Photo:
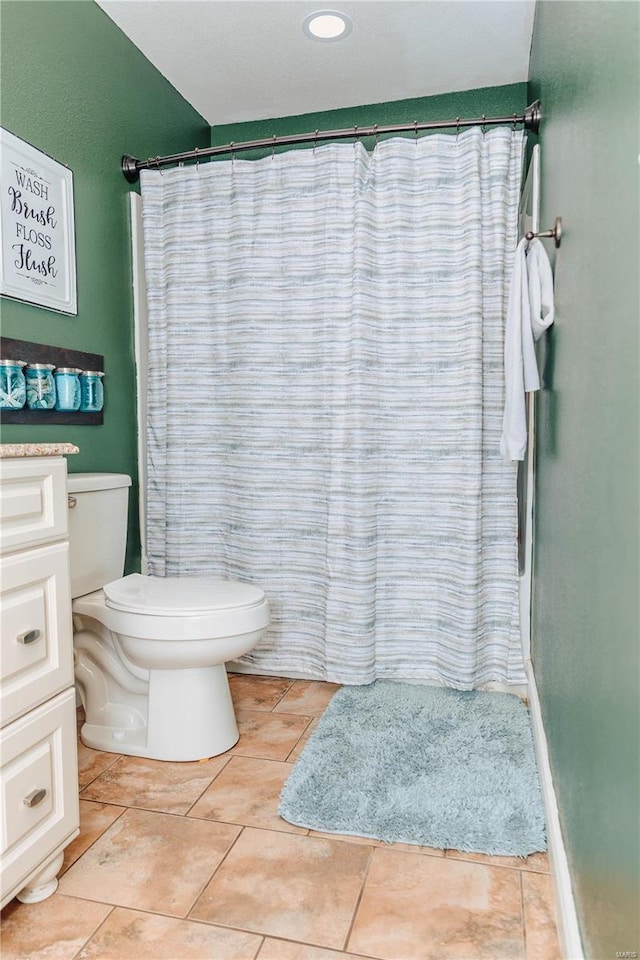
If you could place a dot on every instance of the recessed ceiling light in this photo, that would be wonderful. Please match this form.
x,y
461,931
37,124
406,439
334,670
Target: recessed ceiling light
x,y
327,25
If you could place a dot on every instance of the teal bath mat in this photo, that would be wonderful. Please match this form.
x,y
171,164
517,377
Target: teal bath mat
x,y
425,765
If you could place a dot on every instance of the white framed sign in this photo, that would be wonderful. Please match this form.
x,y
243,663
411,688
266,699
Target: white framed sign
x,y
37,235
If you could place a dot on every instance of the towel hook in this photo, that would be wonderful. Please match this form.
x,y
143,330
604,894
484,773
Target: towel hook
x,y
555,232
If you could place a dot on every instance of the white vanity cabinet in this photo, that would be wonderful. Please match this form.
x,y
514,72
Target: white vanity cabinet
x,y
38,746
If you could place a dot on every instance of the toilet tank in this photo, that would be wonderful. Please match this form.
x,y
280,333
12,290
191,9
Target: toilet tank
x,y
98,505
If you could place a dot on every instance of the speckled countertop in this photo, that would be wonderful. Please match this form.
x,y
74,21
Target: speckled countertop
x,y
36,449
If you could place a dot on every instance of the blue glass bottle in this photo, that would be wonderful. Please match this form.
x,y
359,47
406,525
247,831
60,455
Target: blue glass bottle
x,y
13,388
41,390
92,391
67,388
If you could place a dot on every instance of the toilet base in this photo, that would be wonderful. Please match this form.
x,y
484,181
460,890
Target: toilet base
x,y
190,717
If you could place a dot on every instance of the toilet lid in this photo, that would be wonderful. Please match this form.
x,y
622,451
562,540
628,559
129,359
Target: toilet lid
x,y
168,596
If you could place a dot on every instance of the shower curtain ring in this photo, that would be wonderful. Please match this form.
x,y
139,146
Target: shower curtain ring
x,y
273,147
355,133
195,150
375,133
515,120
484,125
457,128
315,142
158,165
231,146
415,130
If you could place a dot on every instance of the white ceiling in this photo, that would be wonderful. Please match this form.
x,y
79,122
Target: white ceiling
x,y
237,60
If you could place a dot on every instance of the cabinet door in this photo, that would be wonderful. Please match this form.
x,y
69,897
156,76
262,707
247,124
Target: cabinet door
x,y
38,788
33,502
35,628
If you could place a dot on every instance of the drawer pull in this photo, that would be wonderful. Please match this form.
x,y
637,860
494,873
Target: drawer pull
x,y
35,797
71,501
29,636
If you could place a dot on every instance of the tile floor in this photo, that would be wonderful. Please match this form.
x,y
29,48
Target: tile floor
x,y
190,861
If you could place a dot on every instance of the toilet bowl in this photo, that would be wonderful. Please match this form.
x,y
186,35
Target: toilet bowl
x,y
150,652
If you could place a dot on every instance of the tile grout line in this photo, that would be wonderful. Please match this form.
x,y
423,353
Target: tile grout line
x,y
372,850
500,866
283,694
207,882
134,806
253,826
83,786
523,916
167,916
213,779
280,937
256,933
99,927
294,747
237,756
159,813
100,835
290,687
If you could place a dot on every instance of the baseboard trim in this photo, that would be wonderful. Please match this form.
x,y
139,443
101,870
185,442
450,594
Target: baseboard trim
x,y
568,929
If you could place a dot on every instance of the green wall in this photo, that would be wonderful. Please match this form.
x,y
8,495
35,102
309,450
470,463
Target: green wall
x,y
491,101
584,68
75,87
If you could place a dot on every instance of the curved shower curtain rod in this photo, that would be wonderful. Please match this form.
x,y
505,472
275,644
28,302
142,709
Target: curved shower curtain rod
x,y
131,167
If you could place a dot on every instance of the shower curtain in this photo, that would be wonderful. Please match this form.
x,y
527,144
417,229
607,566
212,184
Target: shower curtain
x,y
325,400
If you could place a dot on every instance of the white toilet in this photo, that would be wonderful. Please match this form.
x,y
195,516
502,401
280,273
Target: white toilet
x,y
150,652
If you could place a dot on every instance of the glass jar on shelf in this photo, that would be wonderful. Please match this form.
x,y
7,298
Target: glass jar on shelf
x,y
67,388
13,387
92,391
41,390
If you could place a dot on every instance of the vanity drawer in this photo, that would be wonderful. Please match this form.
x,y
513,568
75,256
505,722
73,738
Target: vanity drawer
x,y
35,628
33,502
38,787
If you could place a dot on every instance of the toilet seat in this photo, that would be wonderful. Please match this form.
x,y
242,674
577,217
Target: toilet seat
x,y
139,606
180,596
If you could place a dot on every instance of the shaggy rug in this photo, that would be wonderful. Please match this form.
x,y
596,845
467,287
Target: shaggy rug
x,y
426,765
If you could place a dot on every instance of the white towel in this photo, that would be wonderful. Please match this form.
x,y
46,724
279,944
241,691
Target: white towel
x,y
529,313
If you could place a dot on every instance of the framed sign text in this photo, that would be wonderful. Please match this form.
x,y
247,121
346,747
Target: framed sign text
x,y
37,237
